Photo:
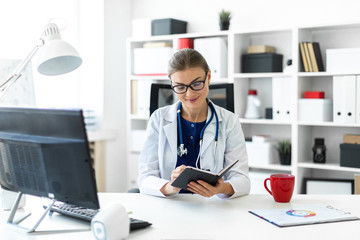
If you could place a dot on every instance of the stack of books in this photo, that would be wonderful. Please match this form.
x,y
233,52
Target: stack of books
x,y
311,57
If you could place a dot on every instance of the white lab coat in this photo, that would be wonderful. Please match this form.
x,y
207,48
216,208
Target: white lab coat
x,y
159,153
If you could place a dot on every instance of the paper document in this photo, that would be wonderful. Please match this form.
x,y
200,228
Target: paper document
x,y
303,214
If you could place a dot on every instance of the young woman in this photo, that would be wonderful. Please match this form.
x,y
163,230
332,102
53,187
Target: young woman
x,y
193,132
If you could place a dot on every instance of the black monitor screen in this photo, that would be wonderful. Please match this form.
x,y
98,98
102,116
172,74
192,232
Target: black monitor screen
x,y
45,153
221,94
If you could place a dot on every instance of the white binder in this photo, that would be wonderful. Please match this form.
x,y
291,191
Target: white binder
x,y
281,98
357,99
214,50
344,94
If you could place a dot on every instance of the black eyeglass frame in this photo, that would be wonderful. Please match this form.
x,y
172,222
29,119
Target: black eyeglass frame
x,y
187,86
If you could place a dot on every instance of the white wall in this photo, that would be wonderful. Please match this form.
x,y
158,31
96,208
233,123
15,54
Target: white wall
x,y
117,29
202,15
21,24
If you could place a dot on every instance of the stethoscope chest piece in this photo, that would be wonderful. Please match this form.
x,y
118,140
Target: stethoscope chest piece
x,y
181,150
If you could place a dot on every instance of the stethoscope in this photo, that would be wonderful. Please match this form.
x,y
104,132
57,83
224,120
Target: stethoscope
x,y
181,149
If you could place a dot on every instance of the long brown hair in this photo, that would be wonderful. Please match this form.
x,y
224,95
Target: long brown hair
x,y
186,58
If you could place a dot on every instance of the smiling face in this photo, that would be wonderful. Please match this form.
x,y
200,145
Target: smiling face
x,y
193,102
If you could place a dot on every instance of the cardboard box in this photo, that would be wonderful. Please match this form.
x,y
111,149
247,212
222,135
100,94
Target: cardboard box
x,y
352,139
315,110
167,26
343,60
260,49
261,62
350,155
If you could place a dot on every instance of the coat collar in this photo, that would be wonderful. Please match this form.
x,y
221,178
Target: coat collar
x,y
171,129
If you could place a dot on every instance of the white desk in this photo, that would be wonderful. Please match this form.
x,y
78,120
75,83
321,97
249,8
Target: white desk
x,y
194,217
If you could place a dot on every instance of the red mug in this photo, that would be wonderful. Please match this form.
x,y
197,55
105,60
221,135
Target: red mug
x,y
282,186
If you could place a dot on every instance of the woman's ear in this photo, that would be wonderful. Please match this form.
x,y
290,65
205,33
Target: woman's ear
x,y
209,77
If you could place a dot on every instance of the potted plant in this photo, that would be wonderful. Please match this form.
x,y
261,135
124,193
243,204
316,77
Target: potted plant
x,y
284,149
224,19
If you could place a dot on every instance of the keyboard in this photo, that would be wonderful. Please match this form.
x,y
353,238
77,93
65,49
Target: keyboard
x,y
87,214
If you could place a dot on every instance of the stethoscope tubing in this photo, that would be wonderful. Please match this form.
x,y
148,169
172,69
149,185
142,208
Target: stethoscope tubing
x,y
183,151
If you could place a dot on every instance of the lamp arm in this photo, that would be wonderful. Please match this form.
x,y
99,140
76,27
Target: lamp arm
x,y
17,72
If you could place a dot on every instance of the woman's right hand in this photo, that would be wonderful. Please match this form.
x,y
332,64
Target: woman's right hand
x,y
167,189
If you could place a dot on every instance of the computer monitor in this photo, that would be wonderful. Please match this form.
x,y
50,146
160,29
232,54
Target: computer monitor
x,y
45,153
221,94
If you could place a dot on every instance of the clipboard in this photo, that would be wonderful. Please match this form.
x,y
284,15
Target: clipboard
x,y
303,215
193,174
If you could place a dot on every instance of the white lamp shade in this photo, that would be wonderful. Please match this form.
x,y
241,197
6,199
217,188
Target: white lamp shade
x,y
58,57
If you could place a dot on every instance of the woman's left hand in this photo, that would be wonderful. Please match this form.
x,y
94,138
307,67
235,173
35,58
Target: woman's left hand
x,y
207,190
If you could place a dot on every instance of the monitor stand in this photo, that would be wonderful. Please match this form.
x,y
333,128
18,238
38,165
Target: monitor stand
x,y
14,209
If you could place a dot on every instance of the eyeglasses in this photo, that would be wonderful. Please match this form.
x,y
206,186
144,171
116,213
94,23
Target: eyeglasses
x,y
195,86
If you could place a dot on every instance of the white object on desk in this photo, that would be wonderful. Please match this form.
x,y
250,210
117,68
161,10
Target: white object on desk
x,y
303,214
111,223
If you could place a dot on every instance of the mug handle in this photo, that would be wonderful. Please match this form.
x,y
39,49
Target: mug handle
x,y
266,186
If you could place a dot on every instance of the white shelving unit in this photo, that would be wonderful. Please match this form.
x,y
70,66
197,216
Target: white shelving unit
x,y
302,134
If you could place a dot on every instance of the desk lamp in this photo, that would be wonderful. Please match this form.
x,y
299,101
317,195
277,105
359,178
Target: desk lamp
x,y
56,57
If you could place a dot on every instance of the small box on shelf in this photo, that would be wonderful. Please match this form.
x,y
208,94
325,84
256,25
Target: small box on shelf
x,y
185,43
343,60
167,26
262,152
261,62
350,155
314,108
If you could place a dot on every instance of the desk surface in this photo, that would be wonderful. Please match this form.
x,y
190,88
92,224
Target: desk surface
x,y
194,217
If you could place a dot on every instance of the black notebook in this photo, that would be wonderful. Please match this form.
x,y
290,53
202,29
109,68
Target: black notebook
x,y
193,174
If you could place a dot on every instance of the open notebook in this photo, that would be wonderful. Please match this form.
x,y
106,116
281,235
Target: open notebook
x,y
193,174
303,214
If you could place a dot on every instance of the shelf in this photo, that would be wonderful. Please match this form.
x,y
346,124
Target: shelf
x,y
325,74
261,75
263,121
177,36
276,167
329,124
150,78
328,166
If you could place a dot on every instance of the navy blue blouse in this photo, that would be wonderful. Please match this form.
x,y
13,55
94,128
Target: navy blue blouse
x,y
191,137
